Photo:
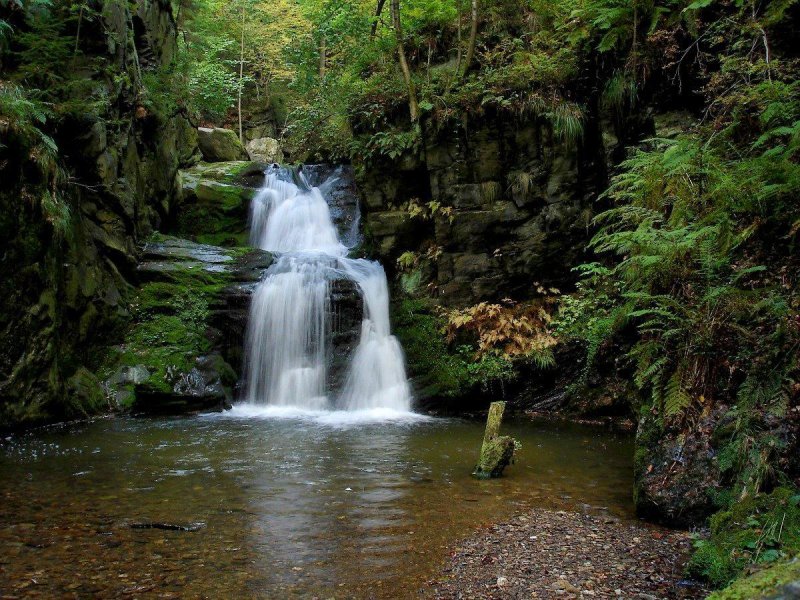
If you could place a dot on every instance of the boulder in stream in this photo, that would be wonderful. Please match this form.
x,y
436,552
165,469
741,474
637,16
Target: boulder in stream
x,y
265,150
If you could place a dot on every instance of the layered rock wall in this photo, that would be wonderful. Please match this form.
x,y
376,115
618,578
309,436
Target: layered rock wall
x,y
65,295
513,205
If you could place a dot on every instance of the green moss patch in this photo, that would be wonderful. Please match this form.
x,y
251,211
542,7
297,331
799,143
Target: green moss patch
x,y
763,583
215,204
761,530
166,335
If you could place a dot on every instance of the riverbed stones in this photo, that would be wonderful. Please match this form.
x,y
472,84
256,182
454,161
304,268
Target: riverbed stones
x,y
220,145
564,554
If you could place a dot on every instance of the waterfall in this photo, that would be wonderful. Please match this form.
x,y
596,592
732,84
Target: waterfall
x,y
288,340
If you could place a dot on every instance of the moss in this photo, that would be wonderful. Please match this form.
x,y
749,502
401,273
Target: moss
x,y
757,530
84,394
215,207
765,582
168,331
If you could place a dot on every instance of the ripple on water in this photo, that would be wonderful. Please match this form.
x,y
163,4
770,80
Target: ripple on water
x,y
349,499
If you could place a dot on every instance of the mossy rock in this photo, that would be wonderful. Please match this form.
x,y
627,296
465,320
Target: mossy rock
x,y
84,394
215,201
778,582
753,531
169,361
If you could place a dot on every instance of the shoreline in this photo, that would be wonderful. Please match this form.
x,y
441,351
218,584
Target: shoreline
x,y
542,553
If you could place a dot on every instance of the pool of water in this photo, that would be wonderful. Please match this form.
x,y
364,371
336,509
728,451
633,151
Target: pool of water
x,y
282,505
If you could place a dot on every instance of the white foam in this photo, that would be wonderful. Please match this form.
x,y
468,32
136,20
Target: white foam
x,y
328,418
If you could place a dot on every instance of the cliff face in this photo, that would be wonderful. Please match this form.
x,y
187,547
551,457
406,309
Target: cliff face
x,y
517,204
65,294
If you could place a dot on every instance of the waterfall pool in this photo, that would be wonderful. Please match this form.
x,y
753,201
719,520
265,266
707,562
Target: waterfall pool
x,y
279,503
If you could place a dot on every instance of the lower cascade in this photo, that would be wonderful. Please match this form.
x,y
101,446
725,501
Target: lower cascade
x,y
288,347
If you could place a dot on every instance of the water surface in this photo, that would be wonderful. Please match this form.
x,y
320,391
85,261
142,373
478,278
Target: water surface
x,y
328,504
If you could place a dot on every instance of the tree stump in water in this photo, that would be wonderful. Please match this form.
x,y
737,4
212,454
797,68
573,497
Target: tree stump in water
x,y
496,450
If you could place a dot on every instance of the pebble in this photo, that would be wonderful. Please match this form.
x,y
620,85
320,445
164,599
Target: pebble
x,y
576,556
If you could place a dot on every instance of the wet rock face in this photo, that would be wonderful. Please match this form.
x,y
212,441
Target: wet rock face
x,y
182,351
65,296
342,195
347,311
521,205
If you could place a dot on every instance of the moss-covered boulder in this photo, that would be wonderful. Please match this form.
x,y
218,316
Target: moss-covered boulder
x,y
174,356
215,201
778,582
220,145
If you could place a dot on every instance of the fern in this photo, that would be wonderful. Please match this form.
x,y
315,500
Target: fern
x,y
675,398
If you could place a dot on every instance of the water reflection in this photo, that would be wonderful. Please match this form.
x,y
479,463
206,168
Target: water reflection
x,y
291,507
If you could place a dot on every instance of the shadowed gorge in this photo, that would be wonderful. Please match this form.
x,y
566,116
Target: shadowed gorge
x,y
267,265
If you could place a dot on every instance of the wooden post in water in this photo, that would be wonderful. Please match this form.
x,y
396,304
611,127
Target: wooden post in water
x,y
496,450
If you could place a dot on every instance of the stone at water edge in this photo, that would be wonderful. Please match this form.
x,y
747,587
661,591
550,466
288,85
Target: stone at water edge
x,y
265,150
220,145
497,451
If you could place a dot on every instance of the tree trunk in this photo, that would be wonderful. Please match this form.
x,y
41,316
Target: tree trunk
x,y
378,11
241,80
413,106
473,36
497,451
323,56
78,33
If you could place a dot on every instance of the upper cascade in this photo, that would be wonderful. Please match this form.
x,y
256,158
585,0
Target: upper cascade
x,y
288,345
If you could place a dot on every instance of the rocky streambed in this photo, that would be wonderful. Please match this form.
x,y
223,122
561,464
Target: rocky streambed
x,y
560,554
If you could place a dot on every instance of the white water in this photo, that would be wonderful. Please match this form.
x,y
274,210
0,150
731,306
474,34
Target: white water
x,y
288,334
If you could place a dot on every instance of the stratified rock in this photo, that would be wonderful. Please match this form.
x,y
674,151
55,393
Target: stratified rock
x,y
519,202
497,450
181,352
220,145
65,294
265,150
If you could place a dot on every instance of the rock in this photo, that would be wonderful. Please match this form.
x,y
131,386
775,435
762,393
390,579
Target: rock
x,y
220,145
65,300
502,582
215,201
517,195
265,149
85,393
496,450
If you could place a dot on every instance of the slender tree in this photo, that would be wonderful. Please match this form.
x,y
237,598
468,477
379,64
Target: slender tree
x,y
473,36
413,105
378,11
241,78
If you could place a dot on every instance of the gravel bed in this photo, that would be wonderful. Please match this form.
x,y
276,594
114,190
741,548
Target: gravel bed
x,y
547,554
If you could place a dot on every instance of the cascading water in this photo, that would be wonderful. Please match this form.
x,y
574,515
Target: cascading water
x,y
289,329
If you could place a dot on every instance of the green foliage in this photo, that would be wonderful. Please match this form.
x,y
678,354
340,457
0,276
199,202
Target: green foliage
x,y
761,530
439,368
765,582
